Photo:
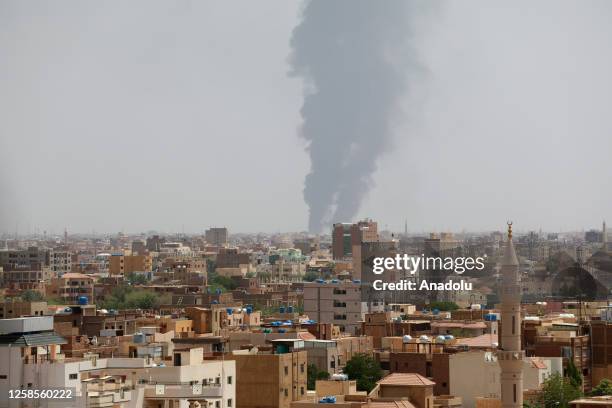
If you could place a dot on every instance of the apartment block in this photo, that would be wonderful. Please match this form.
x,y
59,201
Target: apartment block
x,y
335,302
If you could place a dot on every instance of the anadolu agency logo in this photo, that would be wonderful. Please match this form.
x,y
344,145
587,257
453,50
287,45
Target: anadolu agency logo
x,y
410,272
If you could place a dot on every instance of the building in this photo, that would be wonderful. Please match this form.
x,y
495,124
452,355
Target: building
x,y
32,258
511,355
346,236
60,261
217,236
335,302
71,287
125,264
271,380
10,309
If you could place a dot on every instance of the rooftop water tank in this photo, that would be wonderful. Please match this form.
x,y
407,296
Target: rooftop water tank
x,y
139,338
440,339
83,300
281,309
424,339
406,338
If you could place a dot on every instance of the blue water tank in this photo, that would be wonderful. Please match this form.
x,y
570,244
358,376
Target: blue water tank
x,y
289,309
281,309
83,300
249,310
229,311
218,291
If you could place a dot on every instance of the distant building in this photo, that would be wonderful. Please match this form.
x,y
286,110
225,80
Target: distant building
x,y
346,236
126,264
338,303
217,236
60,261
10,309
70,287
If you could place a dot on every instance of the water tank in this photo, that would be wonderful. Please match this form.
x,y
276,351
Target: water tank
x,y
249,310
289,309
218,291
229,311
331,399
339,377
83,300
449,337
436,311
424,339
475,306
282,330
281,309
406,339
139,338
490,317
440,339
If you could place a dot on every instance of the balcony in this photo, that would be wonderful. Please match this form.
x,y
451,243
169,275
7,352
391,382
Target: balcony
x,y
182,390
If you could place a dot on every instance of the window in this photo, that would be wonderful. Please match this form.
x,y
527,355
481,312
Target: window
x,y
73,376
286,370
302,390
514,392
513,326
229,381
229,402
301,368
217,404
286,392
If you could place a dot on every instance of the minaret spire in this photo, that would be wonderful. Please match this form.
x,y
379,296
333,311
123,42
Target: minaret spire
x,y
510,356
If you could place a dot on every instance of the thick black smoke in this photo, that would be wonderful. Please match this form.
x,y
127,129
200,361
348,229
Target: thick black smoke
x,y
349,53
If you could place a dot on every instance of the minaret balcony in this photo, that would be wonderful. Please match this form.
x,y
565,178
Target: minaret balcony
x,y
510,355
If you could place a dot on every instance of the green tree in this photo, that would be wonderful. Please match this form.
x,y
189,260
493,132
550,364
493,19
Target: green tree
x,y
603,388
137,279
31,296
310,276
573,374
365,370
443,306
557,392
313,374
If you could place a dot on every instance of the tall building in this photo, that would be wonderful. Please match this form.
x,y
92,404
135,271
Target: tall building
x,y
510,355
346,236
217,236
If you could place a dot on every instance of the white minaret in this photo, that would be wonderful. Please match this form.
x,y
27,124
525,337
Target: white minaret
x,y
604,238
510,356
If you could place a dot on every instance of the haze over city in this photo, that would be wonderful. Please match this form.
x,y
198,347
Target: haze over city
x,y
182,115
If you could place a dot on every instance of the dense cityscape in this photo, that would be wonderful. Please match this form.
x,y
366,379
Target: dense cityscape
x,y
226,320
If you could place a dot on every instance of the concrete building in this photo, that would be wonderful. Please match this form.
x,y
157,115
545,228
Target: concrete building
x,y
346,236
10,309
217,236
511,355
124,264
60,261
335,302
70,287
271,380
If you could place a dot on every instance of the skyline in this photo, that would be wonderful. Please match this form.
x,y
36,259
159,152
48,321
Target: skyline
x,y
182,120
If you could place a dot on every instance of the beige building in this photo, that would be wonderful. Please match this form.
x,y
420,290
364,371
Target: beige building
x,y
338,303
125,264
270,380
71,286
10,309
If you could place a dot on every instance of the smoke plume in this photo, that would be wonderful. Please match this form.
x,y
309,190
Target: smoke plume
x,y
348,53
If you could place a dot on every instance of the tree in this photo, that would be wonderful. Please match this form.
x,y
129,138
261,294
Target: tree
x,y
137,278
603,388
365,370
313,374
30,295
310,276
443,306
573,374
557,392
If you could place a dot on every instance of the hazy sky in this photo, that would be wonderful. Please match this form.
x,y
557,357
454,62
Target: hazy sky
x,y
140,115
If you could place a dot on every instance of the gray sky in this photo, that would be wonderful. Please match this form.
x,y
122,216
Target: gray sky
x,y
157,115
